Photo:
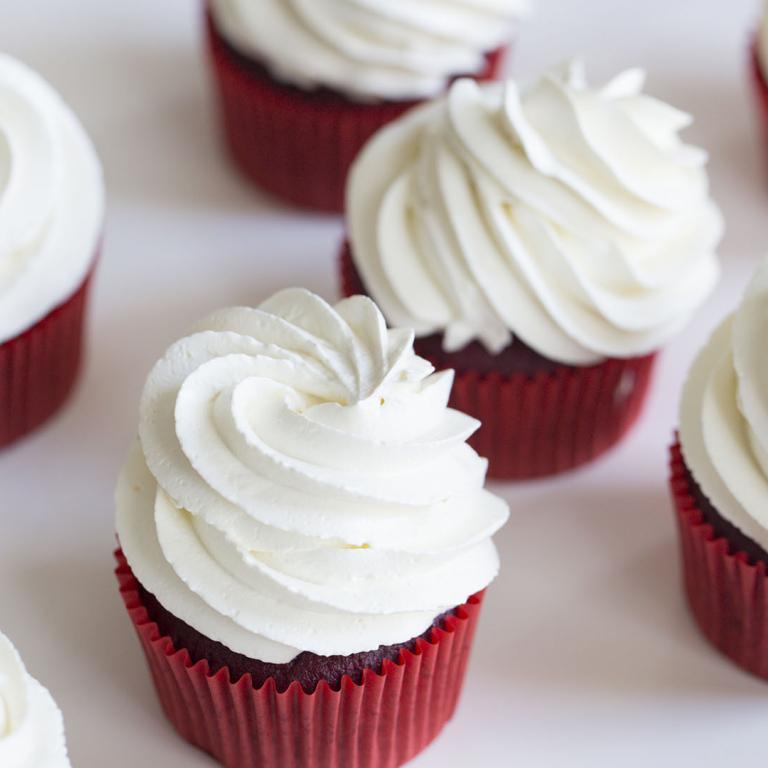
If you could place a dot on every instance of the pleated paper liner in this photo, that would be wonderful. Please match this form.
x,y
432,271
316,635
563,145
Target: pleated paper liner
x,y
38,368
726,592
382,722
551,423
547,423
298,145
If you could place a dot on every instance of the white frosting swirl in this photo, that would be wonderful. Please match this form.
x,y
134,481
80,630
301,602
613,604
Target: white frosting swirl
x,y
369,49
31,725
570,217
301,484
724,415
51,199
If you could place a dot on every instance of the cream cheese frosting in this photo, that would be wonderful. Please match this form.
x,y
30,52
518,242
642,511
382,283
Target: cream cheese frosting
x,y
300,484
31,725
51,199
724,415
369,49
573,218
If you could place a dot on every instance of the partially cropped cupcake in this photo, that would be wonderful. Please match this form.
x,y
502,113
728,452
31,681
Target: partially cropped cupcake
x,y
544,244
720,483
51,210
302,85
305,537
31,725
759,70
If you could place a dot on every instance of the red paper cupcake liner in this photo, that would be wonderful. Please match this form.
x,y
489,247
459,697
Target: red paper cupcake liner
x,y
381,722
541,425
760,89
551,422
727,594
38,368
297,145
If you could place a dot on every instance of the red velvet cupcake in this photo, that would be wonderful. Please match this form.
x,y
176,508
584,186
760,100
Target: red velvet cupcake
x,y
545,266
300,92
305,537
719,482
51,211
757,71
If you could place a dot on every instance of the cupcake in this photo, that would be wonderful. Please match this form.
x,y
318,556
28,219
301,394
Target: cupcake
x,y
719,479
305,537
759,67
544,244
301,86
31,725
51,210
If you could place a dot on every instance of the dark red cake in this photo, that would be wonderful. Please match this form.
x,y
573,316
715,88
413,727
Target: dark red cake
x,y
738,542
307,669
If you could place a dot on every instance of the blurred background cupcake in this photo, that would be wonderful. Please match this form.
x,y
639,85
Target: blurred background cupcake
x,y
305,537
31,725
720,483
544,244
759,67
51,213
302,85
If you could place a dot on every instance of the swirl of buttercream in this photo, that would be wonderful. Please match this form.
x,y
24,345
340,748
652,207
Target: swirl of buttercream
x,y
51,199
31,725
724,415
301,485
572,218
369,49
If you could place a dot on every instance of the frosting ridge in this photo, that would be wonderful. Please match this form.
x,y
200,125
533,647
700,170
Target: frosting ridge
x,y
31,725
572,217
369,49
724,415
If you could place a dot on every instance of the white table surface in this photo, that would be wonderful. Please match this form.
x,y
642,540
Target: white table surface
x,y
586,655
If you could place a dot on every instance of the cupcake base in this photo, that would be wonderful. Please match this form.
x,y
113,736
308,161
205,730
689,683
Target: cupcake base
x,y
297,145
724,574
39,367
382,721
539,417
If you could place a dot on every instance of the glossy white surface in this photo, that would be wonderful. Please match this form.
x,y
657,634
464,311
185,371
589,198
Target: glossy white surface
x,y
586,655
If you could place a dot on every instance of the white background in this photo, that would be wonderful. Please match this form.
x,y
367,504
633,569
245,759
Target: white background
x,y
586,655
